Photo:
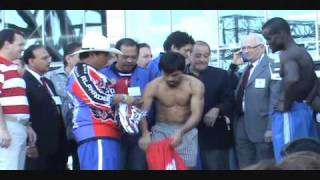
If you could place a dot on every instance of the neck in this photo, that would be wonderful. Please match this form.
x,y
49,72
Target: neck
x,y
90,62
256,59
68,69
289,42
195,72
34,70
5,55
117,66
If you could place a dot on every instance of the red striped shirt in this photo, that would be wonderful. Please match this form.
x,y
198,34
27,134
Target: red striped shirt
x,y
13,98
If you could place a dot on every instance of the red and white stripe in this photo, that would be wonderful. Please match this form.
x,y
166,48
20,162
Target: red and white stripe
x,y
12,91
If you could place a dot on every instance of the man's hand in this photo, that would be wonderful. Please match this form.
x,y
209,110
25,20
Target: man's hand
x,y
144,141
281,106
268,136
5,138
32,136
177,138
32,152
211,117
237,60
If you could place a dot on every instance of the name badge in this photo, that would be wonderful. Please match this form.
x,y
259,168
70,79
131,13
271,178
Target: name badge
x,y
134,91
260,83
57,100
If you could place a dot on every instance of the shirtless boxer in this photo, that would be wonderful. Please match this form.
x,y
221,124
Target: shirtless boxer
x,y
293,117
179,102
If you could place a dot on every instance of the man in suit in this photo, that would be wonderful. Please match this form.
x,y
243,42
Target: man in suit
x,y
255,97
45,113
215,135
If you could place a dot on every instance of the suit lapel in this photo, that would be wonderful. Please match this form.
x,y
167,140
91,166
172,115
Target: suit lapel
x,y
241,78
32,79
258,70
35,83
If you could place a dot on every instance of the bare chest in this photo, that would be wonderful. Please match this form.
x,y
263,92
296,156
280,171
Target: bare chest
x,y
174,96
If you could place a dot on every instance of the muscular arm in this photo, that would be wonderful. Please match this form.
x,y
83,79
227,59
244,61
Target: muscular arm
x,y
148,96
290,77
197,103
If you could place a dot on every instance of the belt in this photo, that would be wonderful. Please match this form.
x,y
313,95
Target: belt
x,y
23,122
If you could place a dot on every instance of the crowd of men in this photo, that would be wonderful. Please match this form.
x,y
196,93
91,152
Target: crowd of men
x,y
114,108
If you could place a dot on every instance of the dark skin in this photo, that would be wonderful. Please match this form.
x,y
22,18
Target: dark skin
x,y
296,68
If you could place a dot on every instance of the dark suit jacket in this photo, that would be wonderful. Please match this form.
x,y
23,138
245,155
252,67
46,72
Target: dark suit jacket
x,y
218,93
45,118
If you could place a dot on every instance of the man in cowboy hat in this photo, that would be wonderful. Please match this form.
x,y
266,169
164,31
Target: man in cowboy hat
x,y
95,128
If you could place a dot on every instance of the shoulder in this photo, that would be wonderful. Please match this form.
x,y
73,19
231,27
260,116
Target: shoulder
x,y
193,82
216,72
154,83
141,70
106,70
155,61
53,73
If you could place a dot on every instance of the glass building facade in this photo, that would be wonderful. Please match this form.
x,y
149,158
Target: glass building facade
x,y
222,29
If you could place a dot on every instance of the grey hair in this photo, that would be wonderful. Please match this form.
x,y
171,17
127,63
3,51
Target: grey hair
x,y
202,43
258,37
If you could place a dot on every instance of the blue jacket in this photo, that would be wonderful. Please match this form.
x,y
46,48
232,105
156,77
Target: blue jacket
x,y
139,76
153,68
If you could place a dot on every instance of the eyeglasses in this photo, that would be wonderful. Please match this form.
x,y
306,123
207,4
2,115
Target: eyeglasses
x,y
250,47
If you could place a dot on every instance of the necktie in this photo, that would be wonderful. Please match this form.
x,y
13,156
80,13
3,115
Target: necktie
x,y
49,91
242,87
45,85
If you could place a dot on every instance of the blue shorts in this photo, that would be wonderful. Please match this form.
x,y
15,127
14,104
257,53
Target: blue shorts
x,y
289,126
100,154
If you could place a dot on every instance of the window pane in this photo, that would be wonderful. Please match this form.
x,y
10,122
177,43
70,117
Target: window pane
x,y
1,21
149,26
96,21
28,21
214,58
302,24
61,28
233,26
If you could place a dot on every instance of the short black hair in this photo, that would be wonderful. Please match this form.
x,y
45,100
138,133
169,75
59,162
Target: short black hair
x,y
69,49
202,43
28,53
178,39
8,35
171,62
127,42
303,144
276,25
142,45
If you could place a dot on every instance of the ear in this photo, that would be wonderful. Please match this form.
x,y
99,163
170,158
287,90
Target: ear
x,y
173,48
31,61
6,44
68,58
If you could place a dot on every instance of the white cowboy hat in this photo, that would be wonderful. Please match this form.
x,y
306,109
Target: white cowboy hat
x,y
92,42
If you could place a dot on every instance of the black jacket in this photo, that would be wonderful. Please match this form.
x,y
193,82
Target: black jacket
x,y
46,120
218,93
